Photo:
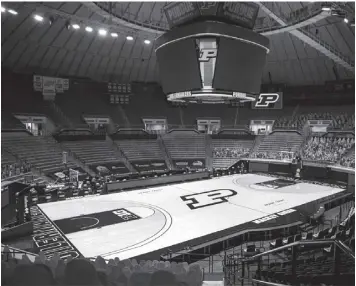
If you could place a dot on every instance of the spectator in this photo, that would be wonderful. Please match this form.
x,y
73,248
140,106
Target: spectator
x,y
224,152
35,274
338,121
327,149
163,278
15,169
273,155
81,272
55,271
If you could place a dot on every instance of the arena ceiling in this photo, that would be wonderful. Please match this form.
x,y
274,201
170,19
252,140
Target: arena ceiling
x,y
321,48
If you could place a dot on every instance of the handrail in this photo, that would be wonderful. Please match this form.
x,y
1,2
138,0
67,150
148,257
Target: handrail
x,y
345,248
305,242
267,283
328,47
14,251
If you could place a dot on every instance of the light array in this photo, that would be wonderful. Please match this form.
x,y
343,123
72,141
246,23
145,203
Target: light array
x,y
75,26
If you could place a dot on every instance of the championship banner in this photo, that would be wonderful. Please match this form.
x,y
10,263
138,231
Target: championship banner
x,y
110,168
59,85
37,83
49,88
240,13
65,83
178,13
189,164
50,85
119,88
149,165
273,100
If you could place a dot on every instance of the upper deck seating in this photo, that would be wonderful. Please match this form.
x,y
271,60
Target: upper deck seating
x,y
340,117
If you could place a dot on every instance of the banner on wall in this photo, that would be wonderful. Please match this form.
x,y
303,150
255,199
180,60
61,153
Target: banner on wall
x,y
65,83
50,86
268,101
149,165
37,83
189,163
110,168
59,85
119,88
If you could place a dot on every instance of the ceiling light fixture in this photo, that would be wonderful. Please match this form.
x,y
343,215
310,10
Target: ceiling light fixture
x,y
76,26
89,29
102,32
325,8
38,18
129,38
147,42
114,35
13,12
3,9
346,20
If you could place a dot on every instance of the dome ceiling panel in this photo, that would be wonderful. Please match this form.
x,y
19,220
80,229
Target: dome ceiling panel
x,y
336,33
54,5
70,7
30,46
289,47
298,47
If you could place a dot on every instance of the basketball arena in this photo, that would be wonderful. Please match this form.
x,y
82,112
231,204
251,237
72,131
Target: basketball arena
x,y
178,143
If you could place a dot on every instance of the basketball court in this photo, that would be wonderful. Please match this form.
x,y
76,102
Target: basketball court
x,y
133,223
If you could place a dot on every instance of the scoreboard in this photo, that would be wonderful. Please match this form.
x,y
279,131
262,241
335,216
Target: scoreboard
x,y
211,62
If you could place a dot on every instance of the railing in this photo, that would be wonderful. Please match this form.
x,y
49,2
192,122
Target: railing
x,y
345,248
338,247
297,243
8,252
260,282
328,47
290,19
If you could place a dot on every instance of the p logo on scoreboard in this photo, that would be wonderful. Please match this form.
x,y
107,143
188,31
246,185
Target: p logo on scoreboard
x,y
209,198
206,54
266,99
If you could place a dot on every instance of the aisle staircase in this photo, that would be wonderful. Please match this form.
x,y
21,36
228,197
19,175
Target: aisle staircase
x,y
59,117
71,156
123,115
164,150
120,154
209,152
256,144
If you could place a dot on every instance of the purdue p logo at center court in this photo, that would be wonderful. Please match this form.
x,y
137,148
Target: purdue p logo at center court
x,y
209,198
